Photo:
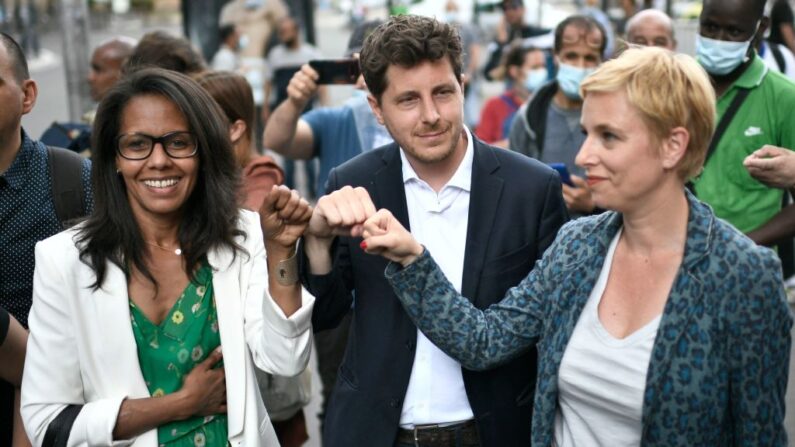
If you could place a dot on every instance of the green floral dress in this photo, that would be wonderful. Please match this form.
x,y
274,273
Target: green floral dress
x,y
169,351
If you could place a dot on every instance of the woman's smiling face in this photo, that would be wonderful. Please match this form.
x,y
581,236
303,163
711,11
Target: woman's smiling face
x,y
157,186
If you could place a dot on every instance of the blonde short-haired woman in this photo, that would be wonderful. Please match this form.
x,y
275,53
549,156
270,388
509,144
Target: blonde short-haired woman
x,y
656,323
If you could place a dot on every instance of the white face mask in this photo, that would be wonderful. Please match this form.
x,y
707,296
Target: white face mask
x,y
721,57
535,78
569,79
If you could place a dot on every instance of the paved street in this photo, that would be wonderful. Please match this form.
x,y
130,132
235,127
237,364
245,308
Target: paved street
x,y
332,35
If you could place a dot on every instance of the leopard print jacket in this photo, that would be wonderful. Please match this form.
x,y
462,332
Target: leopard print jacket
x,y
719,365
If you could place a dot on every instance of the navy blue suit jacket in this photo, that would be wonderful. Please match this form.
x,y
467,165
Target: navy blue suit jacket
x,y
515,211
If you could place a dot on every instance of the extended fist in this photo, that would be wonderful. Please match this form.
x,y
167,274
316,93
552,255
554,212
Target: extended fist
x,y
384,235
284,216
341,213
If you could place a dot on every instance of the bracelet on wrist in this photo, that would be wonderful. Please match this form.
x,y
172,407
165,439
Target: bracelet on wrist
x,y
286,271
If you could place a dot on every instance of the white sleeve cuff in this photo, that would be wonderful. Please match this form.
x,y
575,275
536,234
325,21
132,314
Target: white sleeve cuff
x,y
95,423
294,325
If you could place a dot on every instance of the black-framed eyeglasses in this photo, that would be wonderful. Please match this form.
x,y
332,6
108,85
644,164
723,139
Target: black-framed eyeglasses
x,y
138,146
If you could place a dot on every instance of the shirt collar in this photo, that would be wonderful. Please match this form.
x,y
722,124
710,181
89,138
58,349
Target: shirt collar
x,y
753,75
462,178
17,174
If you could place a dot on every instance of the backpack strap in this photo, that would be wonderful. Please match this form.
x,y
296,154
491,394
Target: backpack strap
x,y
66,168
778,56
508,100
725,120
536,112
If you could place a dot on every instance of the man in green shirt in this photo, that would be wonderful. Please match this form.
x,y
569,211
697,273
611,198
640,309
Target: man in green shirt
x,y
727,31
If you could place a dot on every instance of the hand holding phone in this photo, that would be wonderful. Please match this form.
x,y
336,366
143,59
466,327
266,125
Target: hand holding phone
x,y
563,172
336,71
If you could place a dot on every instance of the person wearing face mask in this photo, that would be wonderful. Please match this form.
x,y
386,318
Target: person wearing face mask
x,y
547,128
754,109
524,71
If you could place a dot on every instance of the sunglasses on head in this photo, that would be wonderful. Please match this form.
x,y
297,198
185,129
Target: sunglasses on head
x,y
592,40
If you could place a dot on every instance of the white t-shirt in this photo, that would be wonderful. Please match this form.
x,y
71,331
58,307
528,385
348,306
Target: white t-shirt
x,y
225,59
602,379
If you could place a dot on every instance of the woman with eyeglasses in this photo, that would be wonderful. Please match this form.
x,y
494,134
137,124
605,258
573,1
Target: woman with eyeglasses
x,y
148,318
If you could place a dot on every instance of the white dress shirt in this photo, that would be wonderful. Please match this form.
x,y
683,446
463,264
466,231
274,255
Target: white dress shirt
x,y
436,391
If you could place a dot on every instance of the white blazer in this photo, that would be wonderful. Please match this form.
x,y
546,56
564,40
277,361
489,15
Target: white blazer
x,y
82,350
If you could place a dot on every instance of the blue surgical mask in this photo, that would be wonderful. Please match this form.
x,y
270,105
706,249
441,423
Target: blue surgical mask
x,y
534,79
569,79
720,57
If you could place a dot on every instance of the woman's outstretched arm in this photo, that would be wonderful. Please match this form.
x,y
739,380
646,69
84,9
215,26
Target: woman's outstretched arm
x,y
479,339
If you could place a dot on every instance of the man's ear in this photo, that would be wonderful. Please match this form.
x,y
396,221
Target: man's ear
x,y
376,107
237,130
674,147
31,91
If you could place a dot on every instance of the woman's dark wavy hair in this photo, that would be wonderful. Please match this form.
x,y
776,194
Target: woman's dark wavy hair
x,y
407,41
210,214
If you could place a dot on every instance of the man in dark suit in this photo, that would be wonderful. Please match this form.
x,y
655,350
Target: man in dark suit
x,y
486,213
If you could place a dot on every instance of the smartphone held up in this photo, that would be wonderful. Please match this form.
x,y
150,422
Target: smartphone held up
x,y
336,71
563,172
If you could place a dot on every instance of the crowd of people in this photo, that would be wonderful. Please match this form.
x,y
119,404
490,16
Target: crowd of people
x,y
596,257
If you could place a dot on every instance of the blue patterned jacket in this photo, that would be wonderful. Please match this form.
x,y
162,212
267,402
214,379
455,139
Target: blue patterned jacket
x,y
719,366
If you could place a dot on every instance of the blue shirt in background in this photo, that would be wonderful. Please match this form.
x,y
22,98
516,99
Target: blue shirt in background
x,y
341,133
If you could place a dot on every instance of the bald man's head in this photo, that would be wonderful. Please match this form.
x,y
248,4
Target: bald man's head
x,y
651,27
106,63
